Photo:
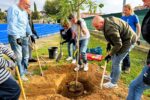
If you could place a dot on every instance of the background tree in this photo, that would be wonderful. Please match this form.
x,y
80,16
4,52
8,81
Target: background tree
x,y
35,13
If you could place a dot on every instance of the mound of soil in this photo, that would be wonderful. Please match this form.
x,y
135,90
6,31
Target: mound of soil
x,y
54,85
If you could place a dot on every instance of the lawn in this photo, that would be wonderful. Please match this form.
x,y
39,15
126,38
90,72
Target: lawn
x,y
137,57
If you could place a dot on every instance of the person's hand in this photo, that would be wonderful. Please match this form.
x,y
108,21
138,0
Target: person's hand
x,y
138,42
108,58
19,41
32,39
13,59
11,64
79,22
108,48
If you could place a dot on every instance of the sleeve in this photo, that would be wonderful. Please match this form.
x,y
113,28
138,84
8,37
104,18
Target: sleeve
x,y
136,19
28,29
12,20
115,38
3,62
5,50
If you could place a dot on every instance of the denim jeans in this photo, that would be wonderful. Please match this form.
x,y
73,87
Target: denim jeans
x,y
30,49
71,48
116,65
137,87
126,62
82,49
21,52
9,90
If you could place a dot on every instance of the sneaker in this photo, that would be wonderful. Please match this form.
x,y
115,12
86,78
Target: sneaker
x,y
78,67
24,78
86,67
107,77
69,58
110,85
73,61
127,71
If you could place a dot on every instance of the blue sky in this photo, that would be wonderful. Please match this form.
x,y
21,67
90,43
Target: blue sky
x,y
110,6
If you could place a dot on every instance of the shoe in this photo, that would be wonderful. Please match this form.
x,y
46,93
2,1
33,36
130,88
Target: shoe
x,y
127,71
32,60
78,67
73,61
110,85
24,78
86,67
107,77
69,58
29,73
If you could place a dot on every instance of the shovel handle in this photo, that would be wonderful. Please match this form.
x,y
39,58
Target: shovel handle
x,y
38,60
104,70
21,84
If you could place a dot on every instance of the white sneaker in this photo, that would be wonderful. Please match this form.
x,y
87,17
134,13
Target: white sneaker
x,y
69,58
86,67
107,77
24,78
78,67
110,85
73,61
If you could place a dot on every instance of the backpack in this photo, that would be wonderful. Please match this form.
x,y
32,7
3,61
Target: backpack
x,y
146,27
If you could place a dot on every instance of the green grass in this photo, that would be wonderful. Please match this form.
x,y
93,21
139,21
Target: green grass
x,y
137,58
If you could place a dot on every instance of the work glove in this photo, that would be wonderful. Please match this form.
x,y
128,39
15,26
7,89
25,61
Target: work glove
x,y
19,41
146,77
108,58
79,22
11,64
108,48
32,39
138,42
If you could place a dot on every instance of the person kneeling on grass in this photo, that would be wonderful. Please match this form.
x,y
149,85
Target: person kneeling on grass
x,y
70,38
9,89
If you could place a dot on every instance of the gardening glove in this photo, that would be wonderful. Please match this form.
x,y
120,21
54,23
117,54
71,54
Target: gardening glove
x,y
32,39
138,42
19,41
108,58
79,22
108,48
146,77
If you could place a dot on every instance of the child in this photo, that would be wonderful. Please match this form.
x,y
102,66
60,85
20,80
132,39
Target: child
x,y
70,38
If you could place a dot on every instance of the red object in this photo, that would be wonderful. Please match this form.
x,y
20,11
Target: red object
x,y
94,57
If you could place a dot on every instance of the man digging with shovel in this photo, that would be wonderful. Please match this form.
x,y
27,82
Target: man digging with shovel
x,y
120,35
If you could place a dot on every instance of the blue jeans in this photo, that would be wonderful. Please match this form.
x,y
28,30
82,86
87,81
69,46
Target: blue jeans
x,y
21,52
9,90
71,48
137,87
82,49
116,65
126,62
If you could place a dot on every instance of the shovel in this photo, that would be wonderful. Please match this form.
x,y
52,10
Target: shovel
x,y
21,83
104,70
60,54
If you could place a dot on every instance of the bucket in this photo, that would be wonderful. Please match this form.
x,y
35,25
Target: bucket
x,y
52,52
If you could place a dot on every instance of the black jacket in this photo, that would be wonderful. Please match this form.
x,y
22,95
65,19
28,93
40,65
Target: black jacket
x,y
145,29
69,36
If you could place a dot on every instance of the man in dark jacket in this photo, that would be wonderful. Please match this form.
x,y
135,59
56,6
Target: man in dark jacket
x,y
142,82
120,35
